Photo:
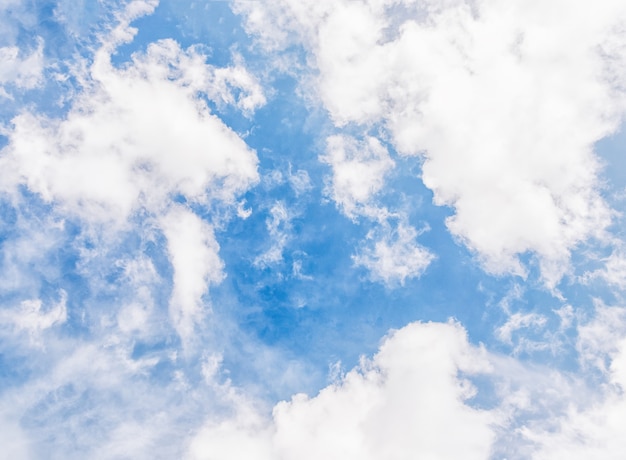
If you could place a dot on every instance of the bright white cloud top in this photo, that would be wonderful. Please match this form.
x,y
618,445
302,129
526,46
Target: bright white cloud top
x,y
365,229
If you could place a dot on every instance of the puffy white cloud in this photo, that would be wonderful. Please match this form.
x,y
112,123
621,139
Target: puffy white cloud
x,y
30,317
136,140
393,255
600,338
248,94
21,71
358,173
503,102
591,426
596,432
418,397
407,401
194,255
613,271
245,434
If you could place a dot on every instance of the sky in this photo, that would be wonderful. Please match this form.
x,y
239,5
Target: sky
x,y
297,229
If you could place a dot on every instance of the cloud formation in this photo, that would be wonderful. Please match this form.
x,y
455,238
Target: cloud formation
x,y
503,103
122,212
136,140
408,398
418,396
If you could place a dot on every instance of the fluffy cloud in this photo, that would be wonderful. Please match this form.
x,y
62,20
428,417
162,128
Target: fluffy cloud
x,y
30,317
137,140
591,425
390,253
393,255
519,321
613,271
21,71
194,255
407,401
358,173
134,140
417,397
503,102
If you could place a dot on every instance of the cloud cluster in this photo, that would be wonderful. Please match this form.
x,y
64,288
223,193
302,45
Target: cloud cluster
x,y
137,141
138,137
358,173
358,169
592,426
392,254
419,396
408,400
21,71
503,102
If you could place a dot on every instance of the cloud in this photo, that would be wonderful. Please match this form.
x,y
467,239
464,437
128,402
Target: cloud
x,y
279,227
94,400
600,337
591,425
22,71
358,173
393,256
194,255
236,86
118,203
518,321
613,271
429,393
14,440
359,167
137,140
504,105
408,398
32,318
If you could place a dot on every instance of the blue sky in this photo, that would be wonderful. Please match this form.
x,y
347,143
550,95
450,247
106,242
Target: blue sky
x,y
293,229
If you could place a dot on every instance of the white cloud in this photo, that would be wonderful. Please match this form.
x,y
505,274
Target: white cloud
x,y
601,336
22,71
279,227
613,271
15,443
409,400
418,397
592,424
93,400
358,176
229,80
358,173
194,254
30,317
503,102
135,316
300,181
136,139
392,256
519,321
243,435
